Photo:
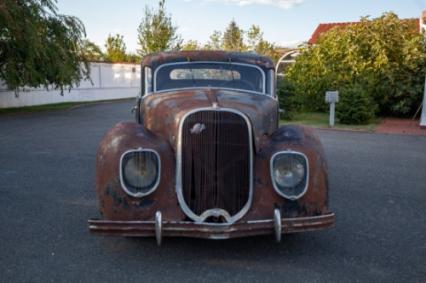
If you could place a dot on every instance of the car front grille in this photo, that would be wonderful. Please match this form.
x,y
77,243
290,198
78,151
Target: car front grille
x,y
216,161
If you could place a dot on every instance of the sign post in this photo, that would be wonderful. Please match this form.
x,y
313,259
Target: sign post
x,y
332,97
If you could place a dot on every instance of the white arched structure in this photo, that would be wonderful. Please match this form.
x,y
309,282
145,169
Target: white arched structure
x,y
287,58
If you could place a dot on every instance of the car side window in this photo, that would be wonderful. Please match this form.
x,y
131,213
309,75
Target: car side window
x,y
147,80
271,86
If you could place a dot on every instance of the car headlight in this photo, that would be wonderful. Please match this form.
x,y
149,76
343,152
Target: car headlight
x,y
289,173
140,171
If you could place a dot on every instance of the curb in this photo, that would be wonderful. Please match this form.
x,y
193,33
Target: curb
x,y
89,103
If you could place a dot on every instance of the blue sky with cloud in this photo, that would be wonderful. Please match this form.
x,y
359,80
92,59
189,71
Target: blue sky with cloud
x,y
285,22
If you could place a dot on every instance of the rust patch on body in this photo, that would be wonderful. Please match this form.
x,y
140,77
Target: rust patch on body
x,y
162,114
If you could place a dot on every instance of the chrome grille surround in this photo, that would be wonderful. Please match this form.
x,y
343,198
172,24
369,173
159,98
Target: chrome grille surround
x,y
215,212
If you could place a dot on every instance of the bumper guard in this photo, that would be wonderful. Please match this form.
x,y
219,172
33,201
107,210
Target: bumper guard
x,y
159,228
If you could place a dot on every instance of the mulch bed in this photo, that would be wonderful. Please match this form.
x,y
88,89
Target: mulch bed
x,y
400,126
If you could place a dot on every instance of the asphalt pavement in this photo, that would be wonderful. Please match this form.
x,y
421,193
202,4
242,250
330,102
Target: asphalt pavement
x,y
47,169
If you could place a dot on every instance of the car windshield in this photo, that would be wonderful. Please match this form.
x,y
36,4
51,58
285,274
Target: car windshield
x,y
213,75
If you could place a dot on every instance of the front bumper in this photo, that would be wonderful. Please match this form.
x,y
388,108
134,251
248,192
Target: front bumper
x,y
208,230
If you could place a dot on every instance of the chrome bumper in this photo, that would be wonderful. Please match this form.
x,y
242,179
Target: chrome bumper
x,y
161,228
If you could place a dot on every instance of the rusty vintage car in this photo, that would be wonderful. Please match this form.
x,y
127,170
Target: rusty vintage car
x,y
206,156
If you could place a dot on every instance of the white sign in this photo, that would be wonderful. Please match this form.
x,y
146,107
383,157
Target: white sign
x,y
332,96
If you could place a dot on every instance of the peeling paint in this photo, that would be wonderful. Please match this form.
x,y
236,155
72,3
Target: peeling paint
x,y
162,115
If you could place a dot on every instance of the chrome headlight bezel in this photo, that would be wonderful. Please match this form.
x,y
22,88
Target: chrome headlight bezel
x,y
279,189
122,177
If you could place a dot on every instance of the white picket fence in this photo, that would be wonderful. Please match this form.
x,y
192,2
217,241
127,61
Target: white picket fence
x,y
109,81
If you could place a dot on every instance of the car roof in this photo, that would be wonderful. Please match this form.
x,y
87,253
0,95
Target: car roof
x,y
157,59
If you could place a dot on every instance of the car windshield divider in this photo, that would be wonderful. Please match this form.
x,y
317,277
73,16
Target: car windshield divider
x,y
192,73
232,72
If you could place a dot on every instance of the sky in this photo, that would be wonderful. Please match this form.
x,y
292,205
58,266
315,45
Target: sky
x,y
284,22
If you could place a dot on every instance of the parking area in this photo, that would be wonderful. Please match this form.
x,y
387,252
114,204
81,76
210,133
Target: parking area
x,y
47,170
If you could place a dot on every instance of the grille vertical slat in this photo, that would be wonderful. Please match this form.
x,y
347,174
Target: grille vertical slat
x,y
215,162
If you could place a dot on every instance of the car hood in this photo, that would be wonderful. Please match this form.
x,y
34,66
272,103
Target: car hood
x,y
163,112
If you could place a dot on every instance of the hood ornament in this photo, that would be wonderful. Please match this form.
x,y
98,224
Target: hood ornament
x,y
198,128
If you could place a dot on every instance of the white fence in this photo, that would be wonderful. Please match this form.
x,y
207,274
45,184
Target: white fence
x,y
109,81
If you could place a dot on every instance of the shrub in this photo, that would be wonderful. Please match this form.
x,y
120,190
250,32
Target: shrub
x,y
386,54
287,99
355,106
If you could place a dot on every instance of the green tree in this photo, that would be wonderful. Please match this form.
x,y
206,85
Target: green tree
x,y
254,37
215,42
156,31
384,58
92,52
39,46
258,44
191,45
133,58
115,49
233,38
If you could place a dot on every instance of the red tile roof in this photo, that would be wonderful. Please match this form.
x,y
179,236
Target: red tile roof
x,y
322,28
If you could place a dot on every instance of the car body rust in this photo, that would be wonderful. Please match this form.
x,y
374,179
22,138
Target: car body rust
x,y
157,127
